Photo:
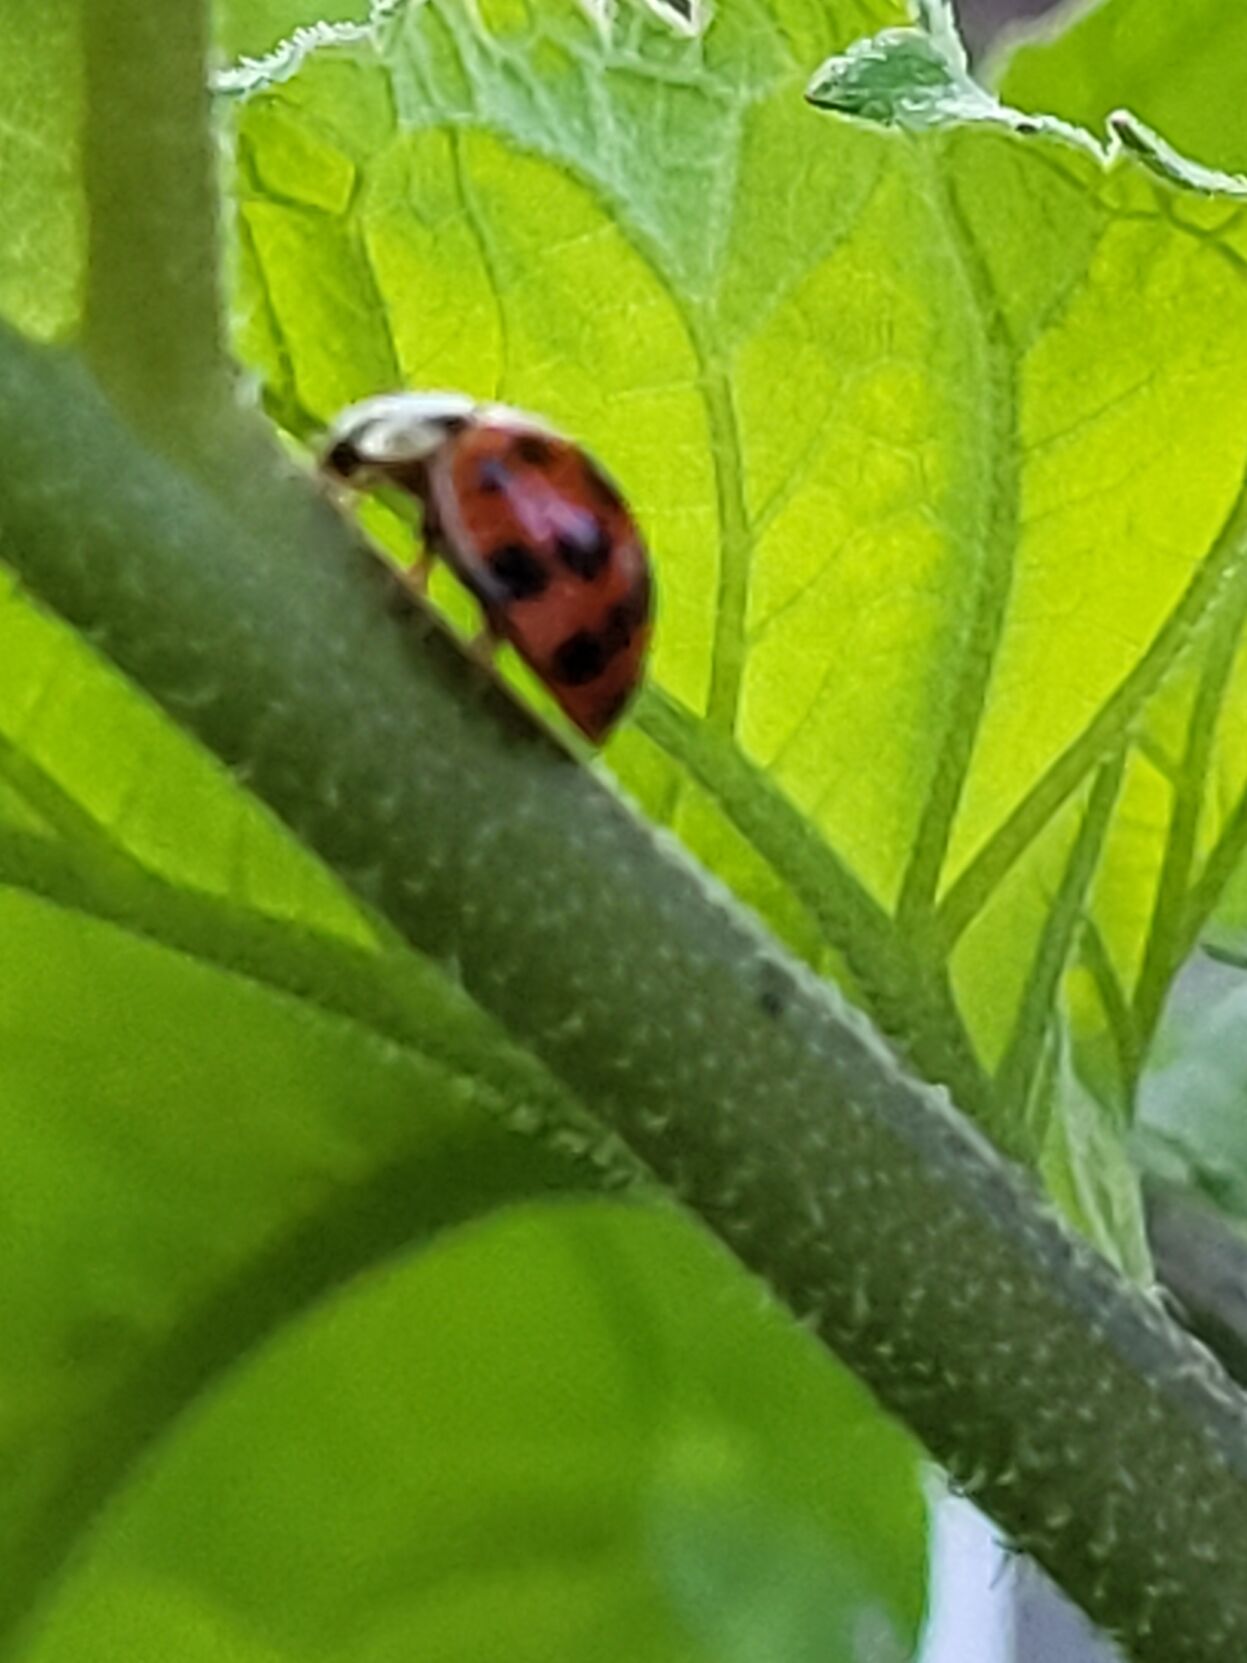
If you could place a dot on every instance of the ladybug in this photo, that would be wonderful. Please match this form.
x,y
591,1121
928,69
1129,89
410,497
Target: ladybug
x,y
529,523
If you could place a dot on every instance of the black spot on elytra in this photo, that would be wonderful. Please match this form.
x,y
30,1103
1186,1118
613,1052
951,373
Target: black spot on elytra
x,y
522,573
585,556
533,449
580,659
492,475
626,617
617,630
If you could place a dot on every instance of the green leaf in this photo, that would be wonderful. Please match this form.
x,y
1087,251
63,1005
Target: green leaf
x,y
942,484
1178,67
358,1105
1194,1102
1089,1173
126,798
914,79
751,1585
250,28
170,1200
504,1438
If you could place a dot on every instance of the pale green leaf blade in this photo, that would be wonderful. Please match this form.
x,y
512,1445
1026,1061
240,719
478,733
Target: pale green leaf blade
x,y
134,799
1177,67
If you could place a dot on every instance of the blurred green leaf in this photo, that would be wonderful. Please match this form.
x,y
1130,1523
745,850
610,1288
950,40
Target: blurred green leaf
x,y
167,1200
1191,1144
493,1440
1193,1107
750,1584
1178,67
1088,1172
125,793
1225,933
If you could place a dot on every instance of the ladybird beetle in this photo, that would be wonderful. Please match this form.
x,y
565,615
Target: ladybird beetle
x,y
529,523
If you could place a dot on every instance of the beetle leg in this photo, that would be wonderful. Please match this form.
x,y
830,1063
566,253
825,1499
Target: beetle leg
x,y
483,646
416,578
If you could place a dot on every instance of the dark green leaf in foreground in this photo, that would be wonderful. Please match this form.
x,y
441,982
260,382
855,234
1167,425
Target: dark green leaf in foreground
x,y
539,1432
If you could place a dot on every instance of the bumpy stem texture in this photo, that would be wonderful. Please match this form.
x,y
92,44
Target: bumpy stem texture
x,y
1094,1431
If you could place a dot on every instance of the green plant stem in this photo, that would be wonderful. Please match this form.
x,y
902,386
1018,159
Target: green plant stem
x,y
1087,1423
152,313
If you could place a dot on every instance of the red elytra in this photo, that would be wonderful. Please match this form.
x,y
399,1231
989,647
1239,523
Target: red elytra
x,y
530,524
